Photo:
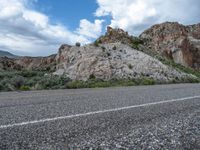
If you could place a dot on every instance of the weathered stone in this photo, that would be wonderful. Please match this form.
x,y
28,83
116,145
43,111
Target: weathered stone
x,y
28,63
79,63
178,42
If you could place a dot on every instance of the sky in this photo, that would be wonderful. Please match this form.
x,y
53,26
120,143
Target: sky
x,y
39,27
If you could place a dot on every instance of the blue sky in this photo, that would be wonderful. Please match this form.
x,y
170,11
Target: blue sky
x,y
68,12
39,27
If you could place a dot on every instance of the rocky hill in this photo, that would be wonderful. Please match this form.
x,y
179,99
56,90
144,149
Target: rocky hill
x,y
117,55
111,61
175,41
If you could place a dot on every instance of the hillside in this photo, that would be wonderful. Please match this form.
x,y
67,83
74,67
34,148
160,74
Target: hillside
x,y
175,41
7,54
111,61
114,59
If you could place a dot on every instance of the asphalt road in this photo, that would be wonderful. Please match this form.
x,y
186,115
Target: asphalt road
x,y
144,117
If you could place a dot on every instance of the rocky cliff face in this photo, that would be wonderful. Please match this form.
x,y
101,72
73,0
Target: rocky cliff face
x,y
28,63
178,42
115,35
108,61
37,63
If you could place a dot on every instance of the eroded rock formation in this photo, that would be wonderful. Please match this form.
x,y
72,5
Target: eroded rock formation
x,y
178,42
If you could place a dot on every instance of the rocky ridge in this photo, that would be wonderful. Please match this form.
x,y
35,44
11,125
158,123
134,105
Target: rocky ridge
x,y
117,55
28,63
175,41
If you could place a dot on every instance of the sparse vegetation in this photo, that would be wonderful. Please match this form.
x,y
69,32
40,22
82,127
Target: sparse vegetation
x,y
30,80
35,80
97,83
97,42
136,42
171,63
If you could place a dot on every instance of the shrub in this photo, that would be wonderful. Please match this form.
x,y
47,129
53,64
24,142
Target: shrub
x,y
78,44
108,54
24,88
96,43
147,81
18,81
130,66
76,84
92,76
136,42
114,48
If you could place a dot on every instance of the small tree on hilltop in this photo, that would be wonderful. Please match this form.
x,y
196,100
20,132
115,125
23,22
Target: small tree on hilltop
x,y
78,44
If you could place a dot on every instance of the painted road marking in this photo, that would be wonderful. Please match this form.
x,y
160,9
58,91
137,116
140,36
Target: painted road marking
x,y
95,112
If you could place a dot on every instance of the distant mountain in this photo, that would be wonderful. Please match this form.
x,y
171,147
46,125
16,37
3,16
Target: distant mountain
x,y
7,54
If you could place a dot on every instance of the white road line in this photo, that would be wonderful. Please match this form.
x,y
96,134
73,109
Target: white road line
x,y
95,112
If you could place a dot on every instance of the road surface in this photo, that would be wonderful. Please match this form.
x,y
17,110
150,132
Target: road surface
x,y
143,117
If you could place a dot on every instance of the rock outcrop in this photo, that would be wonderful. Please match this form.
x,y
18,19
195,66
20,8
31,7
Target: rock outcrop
x,y
108,61
37,63
115,35
9,64
178,42
28,63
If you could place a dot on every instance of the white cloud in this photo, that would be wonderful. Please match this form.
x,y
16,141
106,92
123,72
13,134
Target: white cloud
x,y
90,30
26,31
136,15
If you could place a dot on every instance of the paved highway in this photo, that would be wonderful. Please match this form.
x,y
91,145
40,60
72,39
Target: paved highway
x,y
144,117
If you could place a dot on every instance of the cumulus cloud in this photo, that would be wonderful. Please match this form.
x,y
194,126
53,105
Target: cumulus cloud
x,y
26,31
90,30
136,15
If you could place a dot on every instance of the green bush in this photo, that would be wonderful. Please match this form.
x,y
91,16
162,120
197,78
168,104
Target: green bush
x,y
92,76
24,88
146,81
96,43
136,42
18,81
76,84
130,66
